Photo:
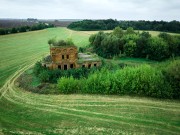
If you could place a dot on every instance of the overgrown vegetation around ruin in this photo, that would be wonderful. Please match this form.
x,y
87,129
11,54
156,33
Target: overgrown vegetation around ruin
x,y
51,76
109,24
135,44
67,42
159,80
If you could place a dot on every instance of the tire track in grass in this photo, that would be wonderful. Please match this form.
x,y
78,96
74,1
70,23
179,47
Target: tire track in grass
x,y
13,78
86,116
82,111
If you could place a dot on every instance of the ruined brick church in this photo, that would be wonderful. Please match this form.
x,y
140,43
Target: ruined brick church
x,y
67,57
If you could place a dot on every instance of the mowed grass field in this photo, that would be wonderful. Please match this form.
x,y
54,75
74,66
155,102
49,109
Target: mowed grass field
x,y
22,112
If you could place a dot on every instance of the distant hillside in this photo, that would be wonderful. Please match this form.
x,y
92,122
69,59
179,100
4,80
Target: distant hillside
x,y
173,26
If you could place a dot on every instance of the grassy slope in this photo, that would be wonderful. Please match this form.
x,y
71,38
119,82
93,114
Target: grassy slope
x,y
23,112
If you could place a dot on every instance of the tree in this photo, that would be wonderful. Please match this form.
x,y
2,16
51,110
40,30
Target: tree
x,y
44,76
14,30
2,32
92,38
130,30
97,42
172,42
69,41
51,41
172,74
141,44
22,29
118,32
110,46
157,49
130,48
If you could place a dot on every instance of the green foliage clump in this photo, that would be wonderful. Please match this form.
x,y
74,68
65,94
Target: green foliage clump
x,y
44,76
172,74
38,68
51,76
68,85
118,32
130,48
143,80
98,83
105,45
68,42
157,49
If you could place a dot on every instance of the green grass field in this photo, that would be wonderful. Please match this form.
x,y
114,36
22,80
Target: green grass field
x,y
22,112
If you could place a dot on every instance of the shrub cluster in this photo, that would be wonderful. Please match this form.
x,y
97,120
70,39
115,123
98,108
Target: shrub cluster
x,y
68,42
143,80
51,76
172,74
135,44
39,26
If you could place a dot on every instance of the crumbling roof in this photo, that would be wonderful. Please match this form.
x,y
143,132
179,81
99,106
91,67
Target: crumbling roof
x,y
82,57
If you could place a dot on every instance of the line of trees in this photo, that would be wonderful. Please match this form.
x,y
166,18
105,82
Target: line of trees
x,y
135,44
173,26
94,25
39,26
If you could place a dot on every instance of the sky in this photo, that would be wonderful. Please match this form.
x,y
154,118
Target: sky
x,y
166,10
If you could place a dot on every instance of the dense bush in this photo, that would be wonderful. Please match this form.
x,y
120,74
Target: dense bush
x,y
173,26
68,85
68,42
143,81
157,49
51,76
172,74
98,82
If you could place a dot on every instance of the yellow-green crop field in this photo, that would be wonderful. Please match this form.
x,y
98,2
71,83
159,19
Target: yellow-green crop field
x,y
23,112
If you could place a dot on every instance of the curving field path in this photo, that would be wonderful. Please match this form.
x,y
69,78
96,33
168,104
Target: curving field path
x,y
23,112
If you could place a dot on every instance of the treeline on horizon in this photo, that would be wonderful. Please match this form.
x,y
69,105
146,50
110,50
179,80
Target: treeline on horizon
x,y
26,28
109,24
